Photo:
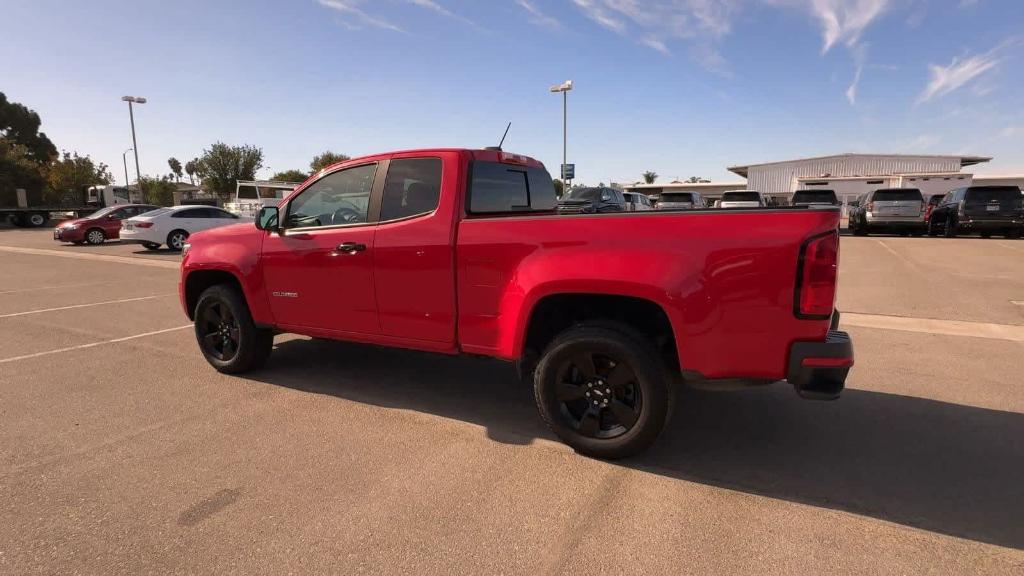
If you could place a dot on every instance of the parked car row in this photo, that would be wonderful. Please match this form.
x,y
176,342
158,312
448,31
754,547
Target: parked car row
x,y
151,226
986,210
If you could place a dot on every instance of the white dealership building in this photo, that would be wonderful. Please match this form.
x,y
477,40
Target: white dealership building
x,y
849,175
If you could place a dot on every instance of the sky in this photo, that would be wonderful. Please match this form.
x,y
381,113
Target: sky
x,y
681,87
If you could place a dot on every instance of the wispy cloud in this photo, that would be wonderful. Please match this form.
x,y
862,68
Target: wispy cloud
x,y
433,5
921,143
945,79
537,17
844,21
351,8
657,23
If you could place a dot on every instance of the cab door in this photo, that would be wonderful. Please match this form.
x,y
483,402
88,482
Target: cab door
x,y
318,268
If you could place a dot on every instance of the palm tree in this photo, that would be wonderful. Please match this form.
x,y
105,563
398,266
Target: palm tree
x,y
650,177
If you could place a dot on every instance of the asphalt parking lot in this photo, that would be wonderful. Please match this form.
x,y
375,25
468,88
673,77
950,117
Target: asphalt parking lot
x,y
122,451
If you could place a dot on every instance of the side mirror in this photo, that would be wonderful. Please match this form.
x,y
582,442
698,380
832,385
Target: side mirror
x,y
267,219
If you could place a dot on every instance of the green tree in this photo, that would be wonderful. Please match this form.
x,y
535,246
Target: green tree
x,y
71,174
25,152
324,160
175,165
20,125
650,177
192,169
559,187
290,176
159,191
221,166
697,180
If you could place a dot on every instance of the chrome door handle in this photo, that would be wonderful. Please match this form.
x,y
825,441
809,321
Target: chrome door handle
x,y
350,247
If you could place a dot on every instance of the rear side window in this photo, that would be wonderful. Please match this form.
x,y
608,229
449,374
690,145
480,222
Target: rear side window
x,y
157,212
413,187
496,187
1008,195
193,213
896,195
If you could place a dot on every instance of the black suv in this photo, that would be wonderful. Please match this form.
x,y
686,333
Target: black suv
x,y
592,201
982,209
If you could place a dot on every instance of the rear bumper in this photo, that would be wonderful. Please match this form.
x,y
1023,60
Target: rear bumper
x,y
990,223
895,221
817,370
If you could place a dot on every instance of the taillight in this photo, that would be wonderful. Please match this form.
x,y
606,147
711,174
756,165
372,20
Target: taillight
x,y
923,206
871,206
510,158
960,208
143,224
817,272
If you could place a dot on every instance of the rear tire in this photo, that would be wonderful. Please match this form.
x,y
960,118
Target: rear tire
x,y
176,240
932,230
36,219
226,334
603,390
986,234
95,236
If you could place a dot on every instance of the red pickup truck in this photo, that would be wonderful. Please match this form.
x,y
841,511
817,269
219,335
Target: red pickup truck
x,y
462,251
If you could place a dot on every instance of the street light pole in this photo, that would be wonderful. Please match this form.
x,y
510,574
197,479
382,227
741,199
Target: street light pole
x,y
131,114
564,88
124,160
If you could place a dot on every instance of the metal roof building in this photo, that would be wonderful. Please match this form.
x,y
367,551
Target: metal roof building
x,y
851,174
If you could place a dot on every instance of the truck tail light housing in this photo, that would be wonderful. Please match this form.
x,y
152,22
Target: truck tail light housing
x,y
143,224
871,206
816,275
510,158
960,208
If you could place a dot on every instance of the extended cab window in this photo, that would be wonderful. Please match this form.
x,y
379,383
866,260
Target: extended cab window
x,y
413,187
496,187
341,197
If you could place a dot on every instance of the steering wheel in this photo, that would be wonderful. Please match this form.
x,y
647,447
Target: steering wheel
x,y
346,215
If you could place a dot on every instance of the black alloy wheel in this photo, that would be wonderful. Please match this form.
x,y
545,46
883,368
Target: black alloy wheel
x,y
604,389
598,395
218,331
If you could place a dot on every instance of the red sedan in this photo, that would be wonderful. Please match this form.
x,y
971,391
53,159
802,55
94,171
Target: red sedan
x,y
102,225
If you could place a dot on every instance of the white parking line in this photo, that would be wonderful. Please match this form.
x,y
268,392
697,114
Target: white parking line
x,y
2,292
92,345
137,261
1010,332
27,312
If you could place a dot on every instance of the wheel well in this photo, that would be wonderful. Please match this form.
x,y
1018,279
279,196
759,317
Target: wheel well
x,y
555,313
197,282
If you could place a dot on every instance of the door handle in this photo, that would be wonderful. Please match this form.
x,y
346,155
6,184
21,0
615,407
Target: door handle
x,y
350,247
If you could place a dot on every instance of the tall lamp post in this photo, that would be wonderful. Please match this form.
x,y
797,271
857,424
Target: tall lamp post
x,y
131,114
564,88
124,159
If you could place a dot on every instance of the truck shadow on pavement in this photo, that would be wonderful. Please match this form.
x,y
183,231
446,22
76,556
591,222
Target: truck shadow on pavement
x,y
937,466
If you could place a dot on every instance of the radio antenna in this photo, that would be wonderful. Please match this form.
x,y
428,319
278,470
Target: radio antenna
x,y
503,135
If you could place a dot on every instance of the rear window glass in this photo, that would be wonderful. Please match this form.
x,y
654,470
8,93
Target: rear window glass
x,y
496,187
585,194
815,196
1002,194
413,187
910,194
741,197
677,197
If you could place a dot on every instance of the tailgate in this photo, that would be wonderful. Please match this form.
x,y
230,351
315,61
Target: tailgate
x,y
897,208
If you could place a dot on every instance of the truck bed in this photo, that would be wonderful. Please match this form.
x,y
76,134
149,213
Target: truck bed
x,y
725,277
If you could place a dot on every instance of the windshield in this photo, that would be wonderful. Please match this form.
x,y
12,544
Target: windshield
x,y
823,196
741,197
908,195
102,212
585,194
983,195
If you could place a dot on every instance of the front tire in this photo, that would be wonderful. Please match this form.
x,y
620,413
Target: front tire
x,y
603,390
227,336
176,240
95,236
151,246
